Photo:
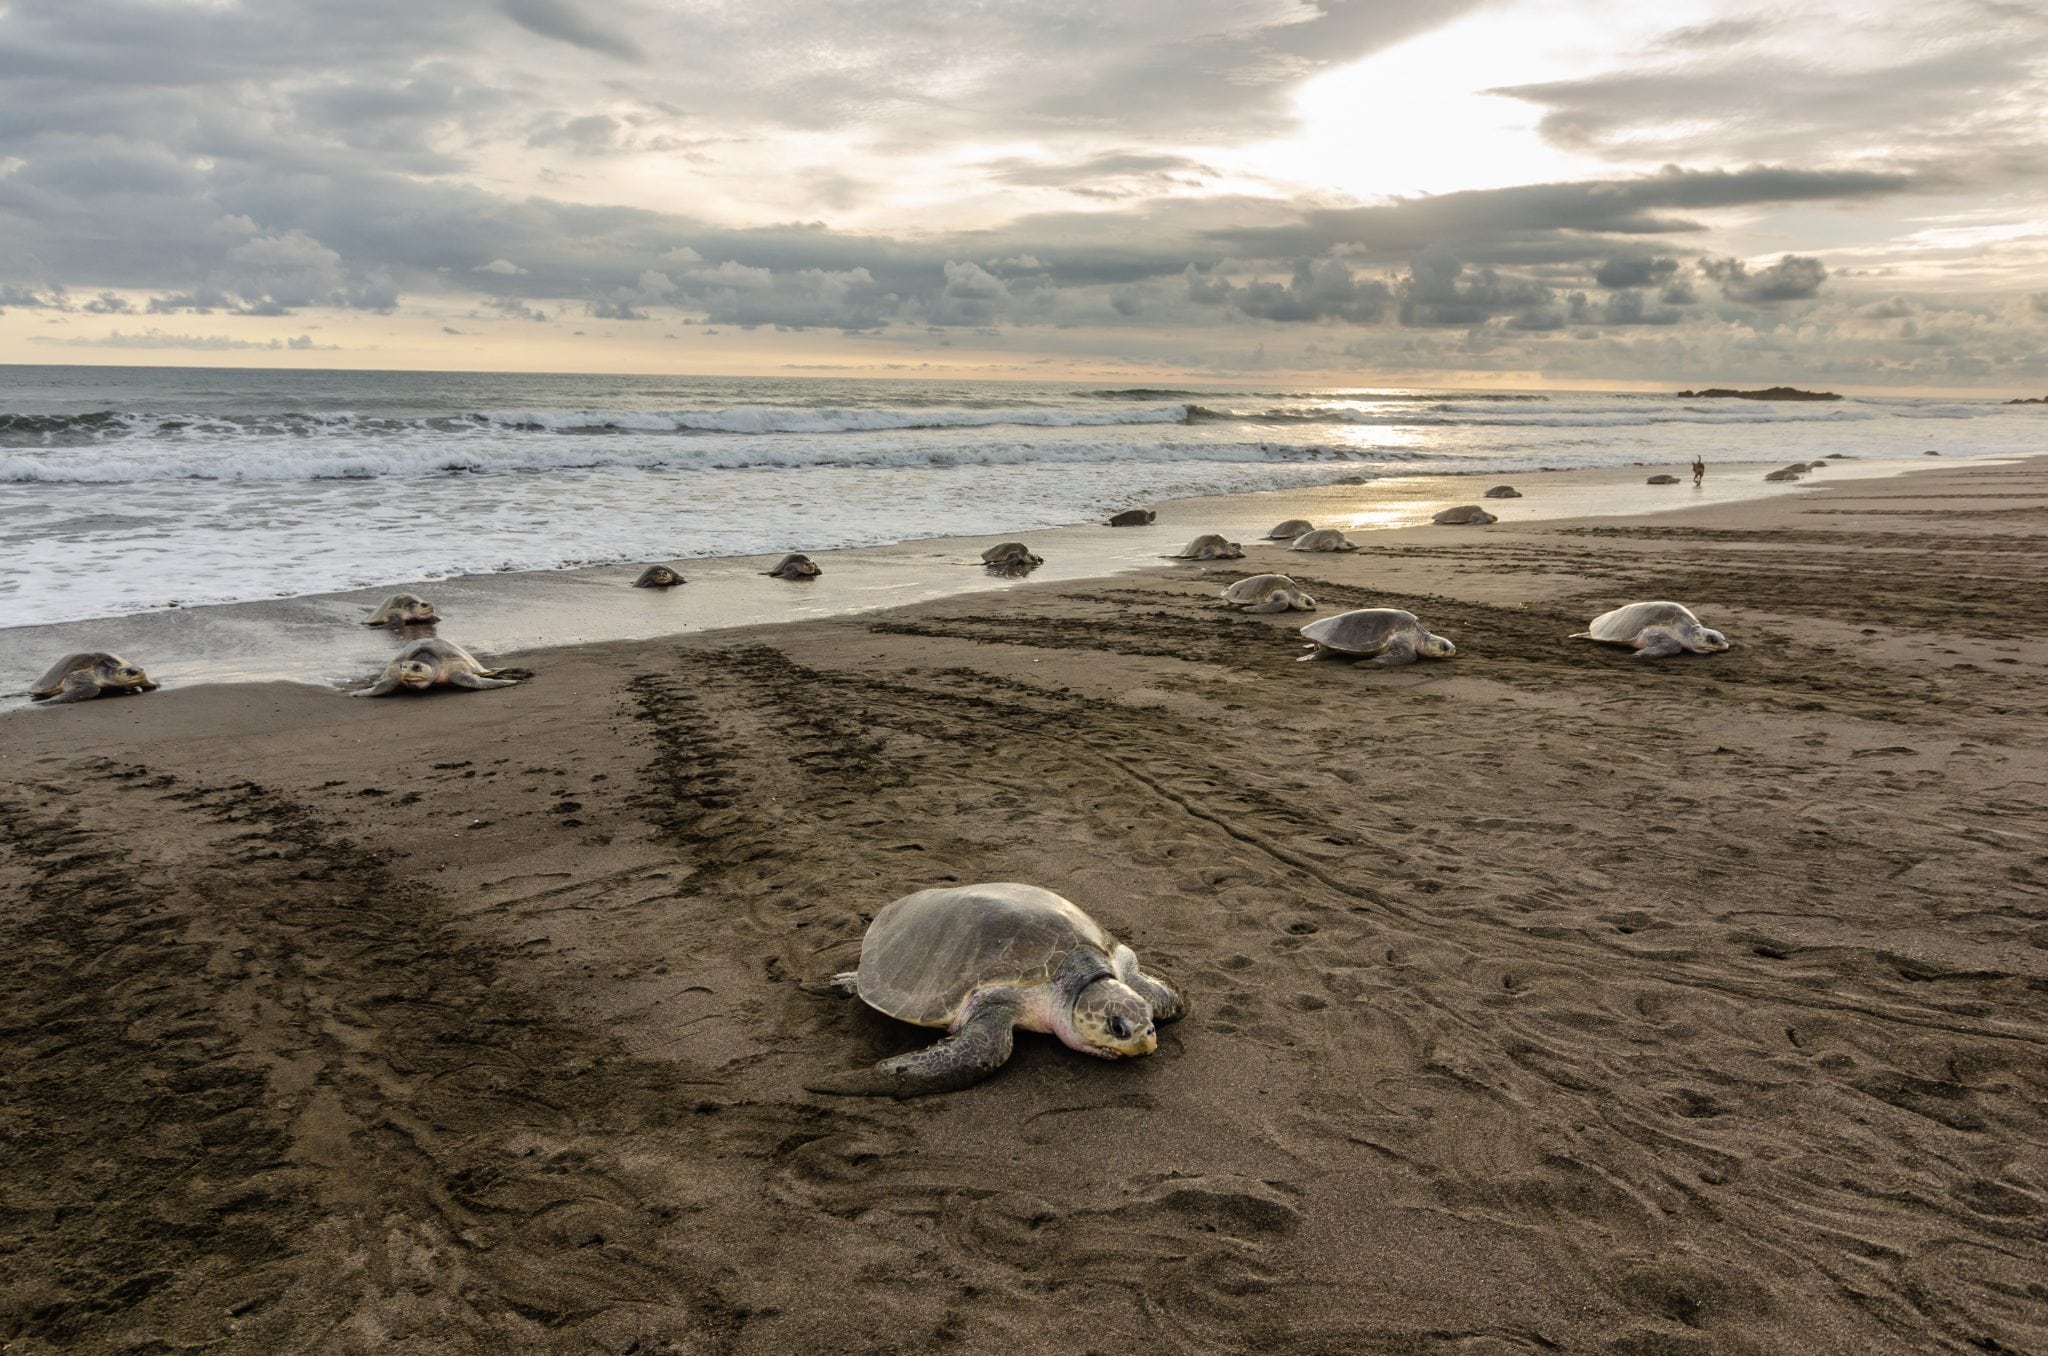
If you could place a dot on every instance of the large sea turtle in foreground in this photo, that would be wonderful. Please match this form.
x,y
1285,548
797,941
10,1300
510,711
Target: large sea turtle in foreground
x,y
1209,546
433,663
795,565
981,961
1462,514
1010,555
1268,593
1322,539
1289,530
1385,635
1654,630
659,577
403,609
82,677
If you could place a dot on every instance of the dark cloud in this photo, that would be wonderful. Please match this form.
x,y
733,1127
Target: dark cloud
x,y
1556,222
564,22
1440,291
1116,174
1320,289
1792,278
1628,307
1634,270
34,298
1723,100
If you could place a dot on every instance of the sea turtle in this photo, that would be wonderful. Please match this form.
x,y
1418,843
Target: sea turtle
x,y
1930,452
982,960
1010,555
1654,630
81,677
1662,480
1289,530
1462,514
1385,635
1792,472
433,663
795,565
1209,546
1502,492
403,609
1133,518
1268,593
658,577
1322,539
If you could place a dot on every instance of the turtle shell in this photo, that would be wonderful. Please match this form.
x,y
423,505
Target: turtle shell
x,y
444,653
1462,514
1214,543
1366,631
1289,530
1257,588
1624,624
927,952
1323,539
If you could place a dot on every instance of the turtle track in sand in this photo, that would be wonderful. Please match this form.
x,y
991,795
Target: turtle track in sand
x,y
354,1128
1324,946
1459,1076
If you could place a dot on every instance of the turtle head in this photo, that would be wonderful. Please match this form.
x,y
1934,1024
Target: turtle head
x,y
119,673
415,673
1702,640
1113,1020
1436,647
417,611
1302,601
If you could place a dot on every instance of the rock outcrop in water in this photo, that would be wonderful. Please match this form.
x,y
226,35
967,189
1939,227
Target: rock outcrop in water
x,y
2036,400
1768,393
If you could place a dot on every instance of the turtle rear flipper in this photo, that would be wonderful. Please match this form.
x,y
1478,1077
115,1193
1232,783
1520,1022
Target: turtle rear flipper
x,y
980,1047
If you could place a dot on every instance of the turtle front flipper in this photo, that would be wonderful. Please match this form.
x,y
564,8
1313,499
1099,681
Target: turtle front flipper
x,y
1398,652
980,1047
1658,645
383,687
79,687
478,681
1167,1003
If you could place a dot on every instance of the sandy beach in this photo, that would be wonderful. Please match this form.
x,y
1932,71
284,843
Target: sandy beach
x,y
1543,999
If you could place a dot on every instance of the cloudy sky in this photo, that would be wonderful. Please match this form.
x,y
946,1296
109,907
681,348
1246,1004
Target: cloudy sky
x,y
1488,192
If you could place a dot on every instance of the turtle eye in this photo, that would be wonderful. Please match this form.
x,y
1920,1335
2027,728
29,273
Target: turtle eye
x,y
1119,1028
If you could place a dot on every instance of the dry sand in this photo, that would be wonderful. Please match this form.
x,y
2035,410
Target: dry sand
x,y
1543,999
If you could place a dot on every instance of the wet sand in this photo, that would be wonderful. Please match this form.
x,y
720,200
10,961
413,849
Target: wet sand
x,y
1543,999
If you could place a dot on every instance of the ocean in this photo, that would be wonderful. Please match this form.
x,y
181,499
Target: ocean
x,y
127,490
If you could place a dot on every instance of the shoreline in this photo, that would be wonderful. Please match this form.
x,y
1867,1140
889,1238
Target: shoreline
x,y
316,639
1542,998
